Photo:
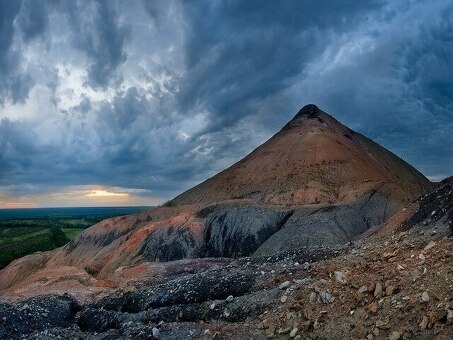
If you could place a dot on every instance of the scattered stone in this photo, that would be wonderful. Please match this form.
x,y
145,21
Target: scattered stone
x,y
284,330
390,290
422,257
323,281
425,297
271,330
340,277
313,297
394,335
363,289
449,316
212,306
430,245
378,290
424,323
388,255
308,313
155,332
316,324
293,332
266,323
229,299
373,307
326,297
382,324
283,298
285,285
359,293
23,307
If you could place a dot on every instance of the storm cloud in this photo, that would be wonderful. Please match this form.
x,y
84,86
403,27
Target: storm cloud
x,y
156,96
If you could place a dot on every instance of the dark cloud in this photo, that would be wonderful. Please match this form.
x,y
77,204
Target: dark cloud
x,y
9,10
98,32
8,13
108,52
33,18
160,95
240,53
16,150
13,84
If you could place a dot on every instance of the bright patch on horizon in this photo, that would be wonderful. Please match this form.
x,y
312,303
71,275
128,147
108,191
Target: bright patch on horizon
x,y
81,196
105,193
4,205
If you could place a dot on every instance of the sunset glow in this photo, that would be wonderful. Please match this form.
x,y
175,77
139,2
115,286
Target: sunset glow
x,y
9,205
105,193
81,196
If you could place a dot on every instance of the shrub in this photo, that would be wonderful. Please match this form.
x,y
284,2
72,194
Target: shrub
x,y
169,204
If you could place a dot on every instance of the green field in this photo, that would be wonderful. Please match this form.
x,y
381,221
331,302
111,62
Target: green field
x,y
20,237
25,231
16,242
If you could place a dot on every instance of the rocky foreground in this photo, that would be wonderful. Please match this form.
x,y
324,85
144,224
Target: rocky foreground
x,y
396,282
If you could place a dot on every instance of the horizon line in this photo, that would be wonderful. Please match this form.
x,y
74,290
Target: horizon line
x,y
80,206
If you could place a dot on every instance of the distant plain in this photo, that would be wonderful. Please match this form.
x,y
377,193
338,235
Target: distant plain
x,y
25,231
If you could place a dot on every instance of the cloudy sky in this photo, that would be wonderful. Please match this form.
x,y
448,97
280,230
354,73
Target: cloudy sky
x,y
131,102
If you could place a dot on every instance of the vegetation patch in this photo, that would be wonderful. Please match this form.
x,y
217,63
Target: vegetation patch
x,y
21,241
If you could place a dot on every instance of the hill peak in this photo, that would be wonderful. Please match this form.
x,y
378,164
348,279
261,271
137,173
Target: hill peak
x,y
309,111
313,159
310,114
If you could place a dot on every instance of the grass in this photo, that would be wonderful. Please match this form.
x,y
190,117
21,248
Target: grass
x,y
169,204
71,233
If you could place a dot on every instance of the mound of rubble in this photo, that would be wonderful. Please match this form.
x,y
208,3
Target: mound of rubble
x,y
394,283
